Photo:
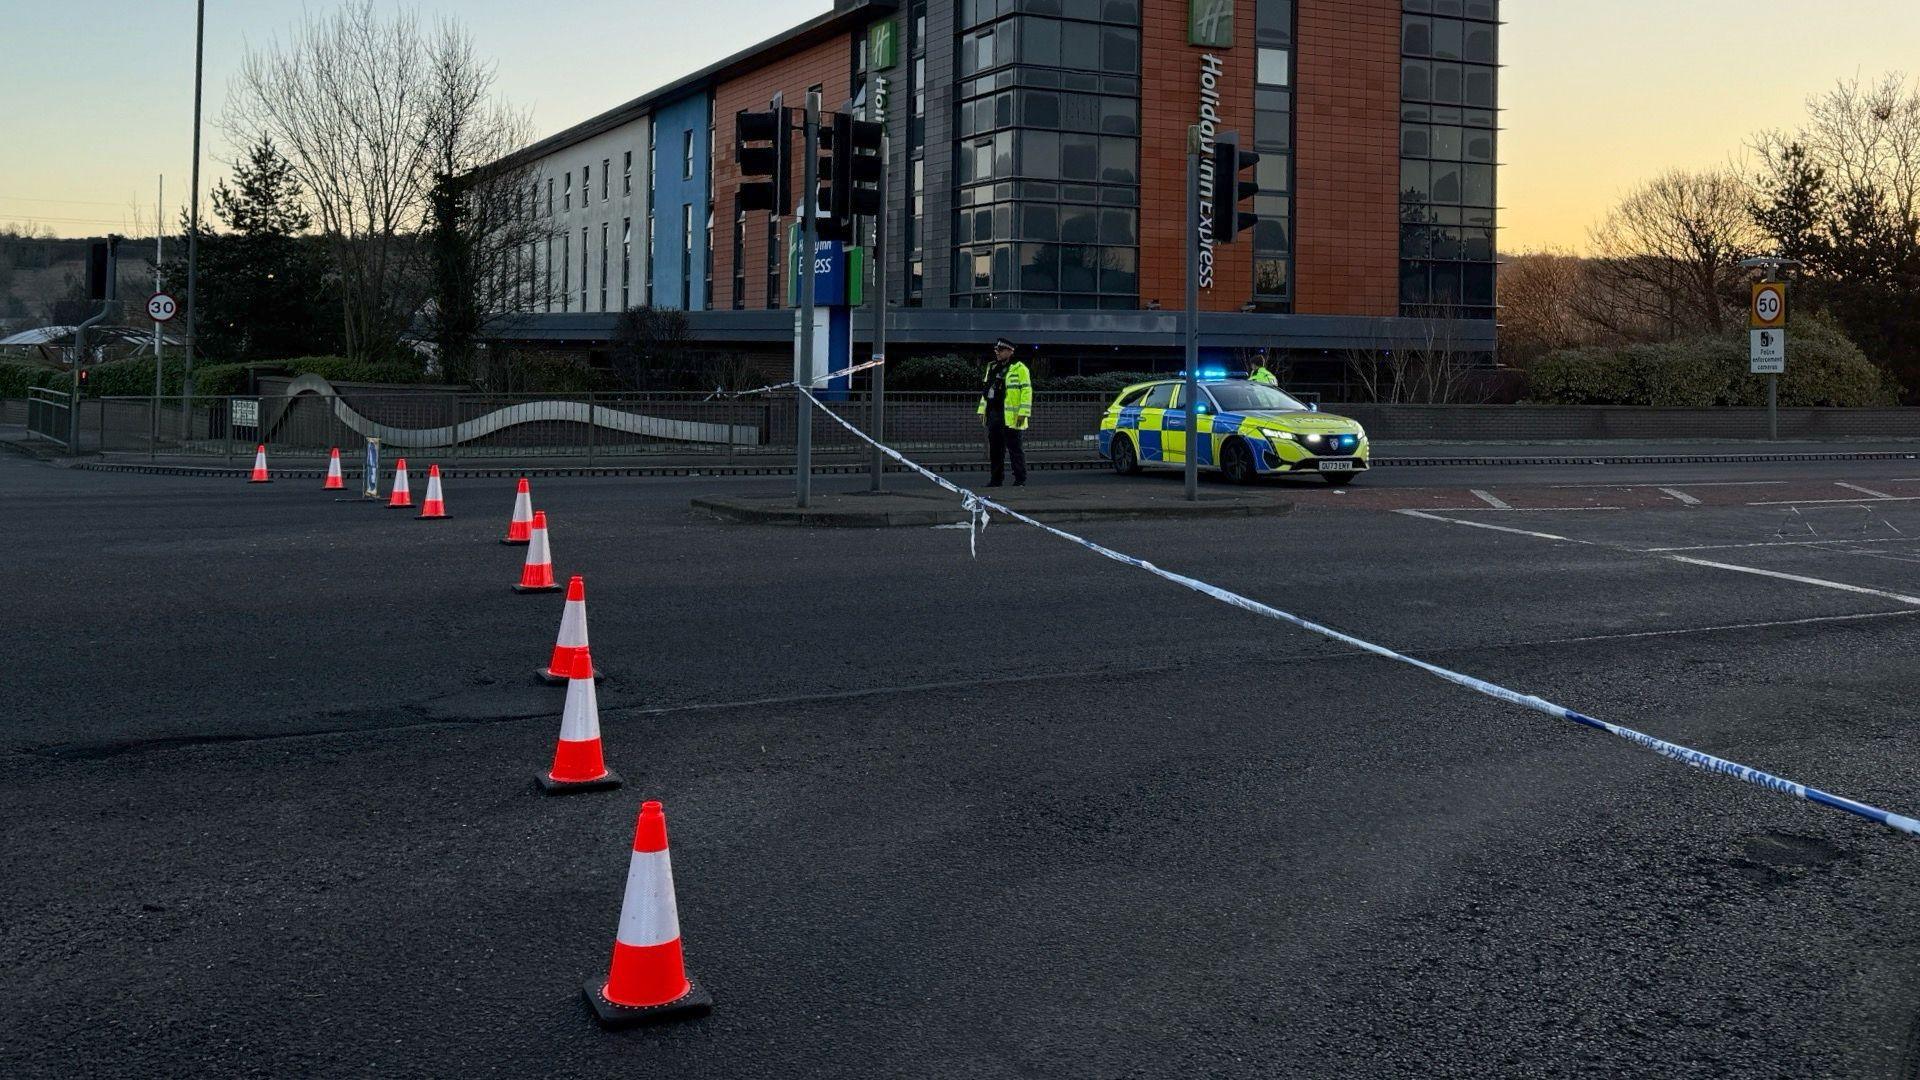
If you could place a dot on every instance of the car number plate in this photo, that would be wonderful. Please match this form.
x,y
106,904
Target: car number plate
x,y
1336,466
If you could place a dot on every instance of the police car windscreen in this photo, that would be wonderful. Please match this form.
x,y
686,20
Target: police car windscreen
x,y
1252,397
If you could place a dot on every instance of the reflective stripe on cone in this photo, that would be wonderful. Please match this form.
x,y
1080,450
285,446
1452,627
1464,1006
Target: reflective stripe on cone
x,y
570,657
520,527
402,494
536,574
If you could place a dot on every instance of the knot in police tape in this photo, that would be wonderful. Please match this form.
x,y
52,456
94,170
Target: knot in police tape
x,y
977,507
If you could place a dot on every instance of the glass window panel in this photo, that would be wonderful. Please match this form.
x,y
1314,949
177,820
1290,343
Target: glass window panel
x,y
1079,269
1446,7
1116,226
1446,285
1079,224
1418,5
1477,245
1446,242
1416,241
1080,9
1478,146
1413,283
1003,109
1079,157
1270,277
1272,130
1446,142
1476,285
1080,112
1447,114
1003,266
1080,46
1271,172
1478,185
1040,108
1416,36
1119,116
1446,182
1120,50
1039,267
1278,99
1478,46
1480,217
1446,39
1416,80
1003,154
1083,193
1446,83
1482,9
1039,221
1040,41
1414,180
1272,69
1116,161
1270,235
1479,91
1415,114
1273,22
1040,154
1118,271
1270,206
1003,221
1415,140
1042,7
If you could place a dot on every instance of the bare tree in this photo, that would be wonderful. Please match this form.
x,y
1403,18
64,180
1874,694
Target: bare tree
x,y
1540,299
1666,260
1861,137
1432,371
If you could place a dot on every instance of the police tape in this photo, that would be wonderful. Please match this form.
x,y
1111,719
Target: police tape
x,y
874,363
978,506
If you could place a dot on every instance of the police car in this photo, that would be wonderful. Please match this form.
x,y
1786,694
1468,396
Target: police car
x,y
1247,431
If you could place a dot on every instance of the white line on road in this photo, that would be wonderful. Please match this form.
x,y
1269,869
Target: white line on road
x,y
1862,490
1490,500
1532,509
1680,495
1838,502
1703,483
1780,543
1913,601
1876,555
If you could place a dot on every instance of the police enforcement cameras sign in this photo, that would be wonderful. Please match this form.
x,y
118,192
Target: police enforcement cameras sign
x,y
1767,354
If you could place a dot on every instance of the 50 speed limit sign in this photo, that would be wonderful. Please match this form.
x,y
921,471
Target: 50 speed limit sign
x,y
161,307
1769,306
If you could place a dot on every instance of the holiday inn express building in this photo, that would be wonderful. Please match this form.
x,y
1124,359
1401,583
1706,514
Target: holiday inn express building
x,y
1037,179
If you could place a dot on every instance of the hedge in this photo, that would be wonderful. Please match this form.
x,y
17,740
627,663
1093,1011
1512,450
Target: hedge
x,y
1823,368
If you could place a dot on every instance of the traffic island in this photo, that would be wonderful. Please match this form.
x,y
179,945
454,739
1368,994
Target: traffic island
x,y
1053,503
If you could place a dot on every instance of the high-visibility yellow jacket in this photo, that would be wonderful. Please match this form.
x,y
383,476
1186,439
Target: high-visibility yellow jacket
x,y
1016,395
1262,376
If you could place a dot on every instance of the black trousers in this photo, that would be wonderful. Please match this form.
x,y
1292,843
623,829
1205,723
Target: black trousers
x,y
1004,442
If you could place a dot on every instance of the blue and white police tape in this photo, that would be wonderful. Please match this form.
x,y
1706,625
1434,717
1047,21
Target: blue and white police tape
x,y
978,506
791,385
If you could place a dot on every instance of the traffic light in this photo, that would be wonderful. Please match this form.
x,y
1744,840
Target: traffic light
x,y
1230,189
767,161
851,173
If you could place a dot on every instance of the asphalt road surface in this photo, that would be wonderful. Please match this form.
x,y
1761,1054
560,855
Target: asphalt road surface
x,y
265,805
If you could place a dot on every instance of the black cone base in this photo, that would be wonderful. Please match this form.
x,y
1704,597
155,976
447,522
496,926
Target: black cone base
x,y
550,786
695,1002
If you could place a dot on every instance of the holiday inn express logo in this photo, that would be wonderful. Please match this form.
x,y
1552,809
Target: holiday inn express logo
x,y
1210,23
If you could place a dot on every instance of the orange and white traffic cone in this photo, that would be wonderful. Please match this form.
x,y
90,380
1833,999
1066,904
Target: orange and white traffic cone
x,y
402,494
577,761
520,528
260,466
570,649
648,979
334,480
435,506
537,574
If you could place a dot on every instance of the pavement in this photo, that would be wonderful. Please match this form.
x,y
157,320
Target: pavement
x,y
265,760
923,505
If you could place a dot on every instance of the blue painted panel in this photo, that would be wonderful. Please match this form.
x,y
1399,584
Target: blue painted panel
x,y
673,192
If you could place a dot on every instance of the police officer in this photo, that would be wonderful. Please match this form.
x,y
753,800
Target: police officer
x,y
1006,408
1260,373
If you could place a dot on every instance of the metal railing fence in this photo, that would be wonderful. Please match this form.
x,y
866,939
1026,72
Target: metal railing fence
x,y
48,414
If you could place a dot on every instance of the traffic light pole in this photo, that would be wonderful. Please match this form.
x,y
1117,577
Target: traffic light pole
x,y
1193,315
809,229
879,405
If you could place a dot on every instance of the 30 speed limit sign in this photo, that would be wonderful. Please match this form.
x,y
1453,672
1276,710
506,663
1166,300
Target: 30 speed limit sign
x,y
1769,306
161,307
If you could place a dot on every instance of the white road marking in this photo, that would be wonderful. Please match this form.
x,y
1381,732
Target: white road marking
x,y
1912,601
1681,495
1862,490
1780,543
1533,509
1490,500
1822,582
1838,502
1495,528
1719,629
1703,483
1877,555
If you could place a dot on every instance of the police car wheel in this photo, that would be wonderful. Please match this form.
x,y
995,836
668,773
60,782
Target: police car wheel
x,y
1125,461
1236,461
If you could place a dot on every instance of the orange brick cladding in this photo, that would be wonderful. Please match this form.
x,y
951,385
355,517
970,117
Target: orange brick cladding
x,y
827,65
1169,103
1347,158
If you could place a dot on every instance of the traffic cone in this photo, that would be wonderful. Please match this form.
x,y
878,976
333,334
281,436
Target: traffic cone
x,y
435,506
260,466
571,647
577,762
537,574
402,494
648,979
520,529
334,482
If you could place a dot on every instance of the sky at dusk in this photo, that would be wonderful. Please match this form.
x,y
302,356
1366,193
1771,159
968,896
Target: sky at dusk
x,y
1597,96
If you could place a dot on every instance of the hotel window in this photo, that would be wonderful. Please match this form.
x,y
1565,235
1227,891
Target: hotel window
x,y
566,193
686,155
626,259
626,175
1273,141
547,303
549,196
1046,167
914,286
586,185
1449,112
706,303
653,155
583,269
606,176
646,285
566,274
604,228
686,255
739,256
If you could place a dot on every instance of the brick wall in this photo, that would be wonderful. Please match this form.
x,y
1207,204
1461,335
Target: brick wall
x,y
1169,103
827,65
1347,168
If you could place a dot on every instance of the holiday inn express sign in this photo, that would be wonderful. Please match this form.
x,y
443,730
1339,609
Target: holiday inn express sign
x,y
1210,23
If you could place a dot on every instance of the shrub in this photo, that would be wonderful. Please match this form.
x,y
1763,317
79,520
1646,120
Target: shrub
x,y
1823,368
934,373
1111,382
16,376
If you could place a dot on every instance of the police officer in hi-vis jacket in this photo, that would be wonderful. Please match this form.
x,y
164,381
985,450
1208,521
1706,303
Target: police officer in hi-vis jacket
x,y
1006,408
